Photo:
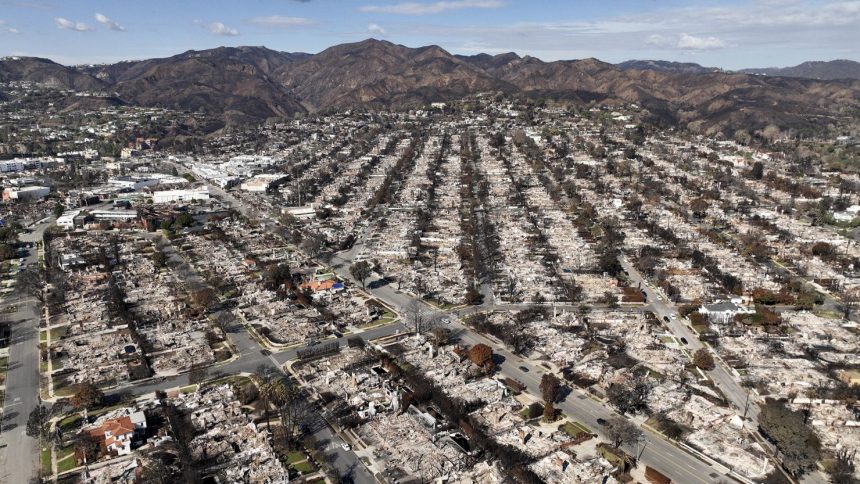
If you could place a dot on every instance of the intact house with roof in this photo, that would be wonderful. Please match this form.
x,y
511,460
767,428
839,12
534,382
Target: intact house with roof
x,y
117,434
724,312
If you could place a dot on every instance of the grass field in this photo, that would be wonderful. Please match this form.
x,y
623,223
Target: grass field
x,y
304,467
46,462
66,459
574,429
295,456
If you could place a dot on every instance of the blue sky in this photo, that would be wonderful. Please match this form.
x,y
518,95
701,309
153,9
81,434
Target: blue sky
x,y
729,34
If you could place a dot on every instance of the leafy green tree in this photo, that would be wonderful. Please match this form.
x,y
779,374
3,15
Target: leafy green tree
x,y
30,281
37,422
797,444
159,260
757,171
361,271
7,252
550,388
183,220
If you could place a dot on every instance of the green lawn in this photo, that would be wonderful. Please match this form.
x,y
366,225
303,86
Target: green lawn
x,y
70,422
612,458
66,464
574,429
295,456
386,318
232,379
304,467
188,389
3,362
826,314
441,305
65,452
43,336
46,462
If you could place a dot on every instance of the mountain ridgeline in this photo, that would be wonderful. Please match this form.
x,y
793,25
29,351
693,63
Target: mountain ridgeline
x,y
252,84
829,70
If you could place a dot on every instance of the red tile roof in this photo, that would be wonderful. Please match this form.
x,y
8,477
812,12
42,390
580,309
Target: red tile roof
x,y
117,427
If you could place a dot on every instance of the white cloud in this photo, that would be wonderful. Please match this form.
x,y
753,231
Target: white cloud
x,y
4,27
218,28
108,23
66,24
658,40
282,22
415,8
687,41
375,29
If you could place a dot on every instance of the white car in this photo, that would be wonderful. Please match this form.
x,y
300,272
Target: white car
x,y
346,446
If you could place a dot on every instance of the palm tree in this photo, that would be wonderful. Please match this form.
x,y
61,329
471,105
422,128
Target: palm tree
x,y
265,380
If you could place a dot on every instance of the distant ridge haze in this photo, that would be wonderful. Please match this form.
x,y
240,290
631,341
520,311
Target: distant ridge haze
x,y
825,70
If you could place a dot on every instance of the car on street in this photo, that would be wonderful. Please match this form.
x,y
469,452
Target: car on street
x,y
601,421
524,369
684,340
345,446
666,318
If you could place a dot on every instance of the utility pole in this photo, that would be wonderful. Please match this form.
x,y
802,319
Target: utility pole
x,y
642,450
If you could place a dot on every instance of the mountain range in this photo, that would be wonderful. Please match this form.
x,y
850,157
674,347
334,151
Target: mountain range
x,y
251,84
666,66
829,70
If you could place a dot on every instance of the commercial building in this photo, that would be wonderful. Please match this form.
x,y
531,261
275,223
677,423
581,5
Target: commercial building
x,y
66,221
301,213
24,194
115,215
261,183
12,166
135,183
168,196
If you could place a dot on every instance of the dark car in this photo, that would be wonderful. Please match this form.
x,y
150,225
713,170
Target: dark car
x,y
601,421
524,369
666,318
684,340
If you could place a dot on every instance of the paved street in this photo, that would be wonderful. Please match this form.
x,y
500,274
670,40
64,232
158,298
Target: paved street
x,y
658,453
19,454
731,388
